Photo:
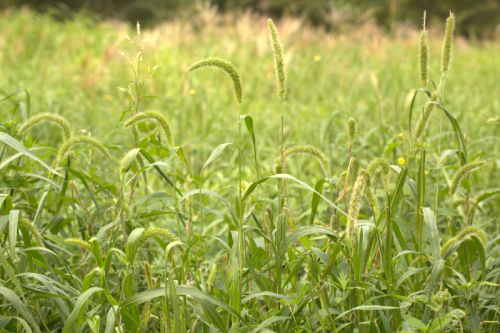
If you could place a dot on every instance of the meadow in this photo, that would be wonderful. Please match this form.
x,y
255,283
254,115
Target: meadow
x,y
143,190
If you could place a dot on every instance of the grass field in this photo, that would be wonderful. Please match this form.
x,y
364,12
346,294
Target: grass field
x,y
77,232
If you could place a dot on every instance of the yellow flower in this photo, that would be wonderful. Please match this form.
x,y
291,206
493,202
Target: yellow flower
x,y
426,172
400,135
192,91
401,160
317,58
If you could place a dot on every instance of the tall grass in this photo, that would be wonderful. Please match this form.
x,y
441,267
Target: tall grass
x,y
94,245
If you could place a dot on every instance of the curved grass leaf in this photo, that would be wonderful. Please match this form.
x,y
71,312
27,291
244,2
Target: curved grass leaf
x,y
19,306
304,231
13,143
80,303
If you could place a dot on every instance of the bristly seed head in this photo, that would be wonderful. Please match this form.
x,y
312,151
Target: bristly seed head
x,y
423,54
464,235
311,150
63,152
279,61
80,243
157,232
34,232
447,43
153,115
360,186
48,117
494,120
227,67
351,123
462,172
384,167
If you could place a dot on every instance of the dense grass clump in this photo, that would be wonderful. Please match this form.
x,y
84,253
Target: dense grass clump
x,y
232,231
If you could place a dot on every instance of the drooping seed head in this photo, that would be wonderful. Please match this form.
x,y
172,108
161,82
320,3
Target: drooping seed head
x,y
227,67
384,168
80,243
310,150
34,232
462,172
494,120
423,54
157,232
321,224
464,235
447,43
153,115
279,61
64,151
47,117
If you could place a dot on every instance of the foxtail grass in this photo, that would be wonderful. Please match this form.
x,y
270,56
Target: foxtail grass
x,y
383,165
47,117
360,186
227,67
79,243
157,232
34,232
153,115
423,54
462,172
447,43
464,235
279,60
65,149
310,150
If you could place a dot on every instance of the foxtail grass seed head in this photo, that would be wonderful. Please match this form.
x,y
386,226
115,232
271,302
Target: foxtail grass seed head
x,y
153,115
463,235
227,67
278,169
79,243
47,117
211,277
34,232
462,172
494,120
341,196
447,42
279,60
321,224
360,186
428,108
351,124
423,54
64,151
157,232
380,163
310,150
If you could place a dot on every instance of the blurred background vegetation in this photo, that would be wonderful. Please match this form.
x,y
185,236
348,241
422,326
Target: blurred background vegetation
x,y
475,19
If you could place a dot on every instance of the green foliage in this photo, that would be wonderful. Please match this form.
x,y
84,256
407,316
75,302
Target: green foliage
x,y
210,244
